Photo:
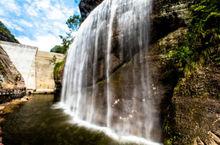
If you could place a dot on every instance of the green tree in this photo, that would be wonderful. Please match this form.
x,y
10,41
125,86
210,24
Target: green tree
x,y
73,23
66,41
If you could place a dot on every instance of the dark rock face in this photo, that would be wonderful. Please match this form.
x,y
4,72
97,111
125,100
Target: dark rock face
x,y
197,105
166,16
86,6
11,82
190,103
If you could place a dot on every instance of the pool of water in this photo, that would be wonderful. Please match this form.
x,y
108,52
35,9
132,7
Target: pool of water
x,y
36,123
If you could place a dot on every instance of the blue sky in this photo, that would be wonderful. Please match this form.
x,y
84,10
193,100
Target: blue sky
x,y
37,22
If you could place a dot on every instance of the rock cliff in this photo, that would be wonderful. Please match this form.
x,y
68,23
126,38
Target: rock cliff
x,y
11,82
165,18
86,6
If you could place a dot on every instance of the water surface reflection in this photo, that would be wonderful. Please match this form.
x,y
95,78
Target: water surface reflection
x,y
36,123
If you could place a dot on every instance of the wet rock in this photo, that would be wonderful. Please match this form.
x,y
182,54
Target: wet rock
x,y
1,119
2,107
198,141
166,16
214,137
86,6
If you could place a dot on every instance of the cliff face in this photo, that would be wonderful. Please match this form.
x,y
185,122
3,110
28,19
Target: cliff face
x,y
195,99
86,6
188,89
165,18
190,103
197,106
189,72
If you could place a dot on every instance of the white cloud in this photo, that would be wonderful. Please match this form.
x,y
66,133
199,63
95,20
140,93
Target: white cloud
x,y
38,22
55,14
44,43
25,23
11,25
10,6
1,12
53,10
30,11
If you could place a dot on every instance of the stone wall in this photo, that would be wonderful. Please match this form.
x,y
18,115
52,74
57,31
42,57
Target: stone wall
x,y
45,62
36,67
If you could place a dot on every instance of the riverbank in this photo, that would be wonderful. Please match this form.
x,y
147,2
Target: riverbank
x,y
10,106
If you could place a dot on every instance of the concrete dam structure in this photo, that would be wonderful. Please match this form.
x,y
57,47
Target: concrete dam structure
x,y
36,67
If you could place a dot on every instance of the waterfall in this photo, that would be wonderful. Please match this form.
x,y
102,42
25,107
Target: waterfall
x,y
115,33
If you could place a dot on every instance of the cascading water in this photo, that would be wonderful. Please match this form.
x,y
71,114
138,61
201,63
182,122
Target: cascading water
x,y
116,32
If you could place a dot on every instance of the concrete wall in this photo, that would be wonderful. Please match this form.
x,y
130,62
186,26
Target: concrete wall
x,y
23,57
36,67
45,62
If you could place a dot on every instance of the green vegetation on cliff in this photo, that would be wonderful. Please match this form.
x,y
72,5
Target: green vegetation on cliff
x,y
58,70
203,35
198,59
5,34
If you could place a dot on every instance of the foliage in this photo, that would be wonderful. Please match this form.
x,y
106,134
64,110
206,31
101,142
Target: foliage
x,y
204,32
203,36
180,56
5,34
58,49
73,23
58,69
66,41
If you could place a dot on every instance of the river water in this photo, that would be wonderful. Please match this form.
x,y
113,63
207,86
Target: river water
x,y
38,123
